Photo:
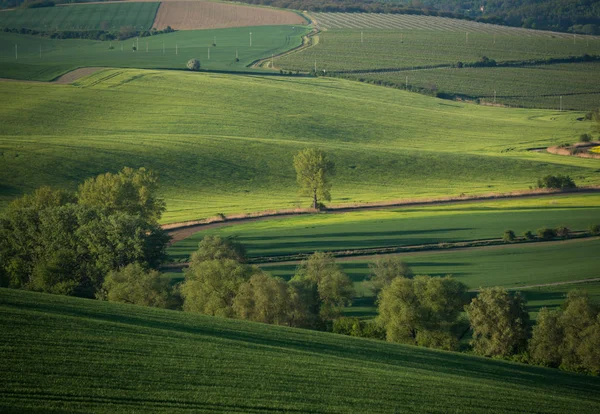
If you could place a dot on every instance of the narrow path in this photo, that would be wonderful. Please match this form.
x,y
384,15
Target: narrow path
x,y
183,230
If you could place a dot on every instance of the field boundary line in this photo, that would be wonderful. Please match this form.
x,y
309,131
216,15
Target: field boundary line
x,y
182,230
571,282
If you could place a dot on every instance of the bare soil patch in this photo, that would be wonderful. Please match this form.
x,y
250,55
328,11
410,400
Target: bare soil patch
x,y
581,149
192,15
65,79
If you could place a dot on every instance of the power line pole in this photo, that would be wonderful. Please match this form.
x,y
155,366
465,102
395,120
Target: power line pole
x,y
250,39
209,53
176,49
361,37
163,46
16,53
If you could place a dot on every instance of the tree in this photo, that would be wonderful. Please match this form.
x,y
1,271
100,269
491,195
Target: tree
x,y
193,64
136,285
556,182
577,317
215,247
262,299
313,170
508,236
129,191
546,339
210,286
333,286
423,311
499,322
545,233
385,269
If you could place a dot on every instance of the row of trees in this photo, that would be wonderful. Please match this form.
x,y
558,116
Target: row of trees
x,y
125,32
61,242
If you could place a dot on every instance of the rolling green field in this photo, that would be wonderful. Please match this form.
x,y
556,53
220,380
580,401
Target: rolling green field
x,y
166,51
66,354
406,226
400,51
224,144
111,16
547,86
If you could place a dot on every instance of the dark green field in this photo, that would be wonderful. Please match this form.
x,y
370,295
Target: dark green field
x,y
166,51
63,354
111,16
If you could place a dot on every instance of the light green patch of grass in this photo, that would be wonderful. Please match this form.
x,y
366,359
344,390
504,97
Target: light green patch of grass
x,y
224,144
67,354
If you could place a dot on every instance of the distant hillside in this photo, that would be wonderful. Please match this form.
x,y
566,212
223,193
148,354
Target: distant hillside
x,y
62,354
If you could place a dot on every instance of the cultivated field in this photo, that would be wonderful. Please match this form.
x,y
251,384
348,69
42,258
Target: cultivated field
x,y
224,144
110,16
45,59
194,15
84,355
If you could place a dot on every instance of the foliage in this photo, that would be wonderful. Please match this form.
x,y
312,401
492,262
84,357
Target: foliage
x,y
585,138
528,235
313,172
546,233
322,274
262,299
563,232
193,64
423,311
556,182
499,322
385,269
129,191
359,328
210,286
594,229
508,236
136,285
213,247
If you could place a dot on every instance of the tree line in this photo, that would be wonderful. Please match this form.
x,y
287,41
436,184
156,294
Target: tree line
x,y
125,32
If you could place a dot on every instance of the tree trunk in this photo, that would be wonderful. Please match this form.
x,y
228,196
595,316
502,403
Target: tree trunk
x,y
315,200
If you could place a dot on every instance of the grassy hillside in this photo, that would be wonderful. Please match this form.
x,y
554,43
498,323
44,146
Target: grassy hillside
x,y
64,354
110,16
224,144
404,226
59,56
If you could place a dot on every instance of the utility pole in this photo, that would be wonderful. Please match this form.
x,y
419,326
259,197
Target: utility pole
x,y
215,40
209,53
361,37
16,53
163,46
407,83
467,37
560,109
494,95
250,39
272,64
315,66
137,43
40,51
176,49
146,47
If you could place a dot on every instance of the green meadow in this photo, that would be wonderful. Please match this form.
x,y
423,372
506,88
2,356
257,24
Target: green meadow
x,y
110,16
224,144
66,354
407,226
39,58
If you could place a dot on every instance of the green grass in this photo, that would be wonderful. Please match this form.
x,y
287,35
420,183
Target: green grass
x,y
402,50
64,354
224,144
140,16
60,56
403,226
534,86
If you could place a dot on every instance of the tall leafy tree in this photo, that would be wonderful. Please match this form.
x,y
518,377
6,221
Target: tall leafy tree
x,y
499,322
136,285
385,269
262,299
313,172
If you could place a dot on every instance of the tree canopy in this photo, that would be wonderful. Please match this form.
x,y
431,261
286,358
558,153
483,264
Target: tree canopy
x,y
313,172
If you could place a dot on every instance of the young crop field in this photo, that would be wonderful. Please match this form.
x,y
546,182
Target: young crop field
x,y
566,86
110,16
66,354
224,144
44,59
553,297
415,22
407,226
193,15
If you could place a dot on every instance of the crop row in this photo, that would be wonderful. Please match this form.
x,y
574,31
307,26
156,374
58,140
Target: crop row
x,y
411,22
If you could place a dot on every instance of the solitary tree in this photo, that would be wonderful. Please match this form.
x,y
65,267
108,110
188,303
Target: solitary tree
x,y
193,65
313,170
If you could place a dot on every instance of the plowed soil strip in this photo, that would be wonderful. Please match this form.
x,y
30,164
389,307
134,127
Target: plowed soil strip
x,y
65,79
188,15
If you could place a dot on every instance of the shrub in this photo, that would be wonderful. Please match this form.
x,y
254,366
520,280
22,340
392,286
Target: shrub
x,y
545,233
595,229
528,235
556,182
562,232
193,64
509,236
585,138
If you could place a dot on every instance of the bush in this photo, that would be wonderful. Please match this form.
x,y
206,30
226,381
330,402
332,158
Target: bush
x,y
562,232
556,182
509,236
545,233
528,235
585,138
595,229
193,64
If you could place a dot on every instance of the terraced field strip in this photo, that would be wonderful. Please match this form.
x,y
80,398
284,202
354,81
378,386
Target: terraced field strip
x,y
195,15
414,22
93,356
112,16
